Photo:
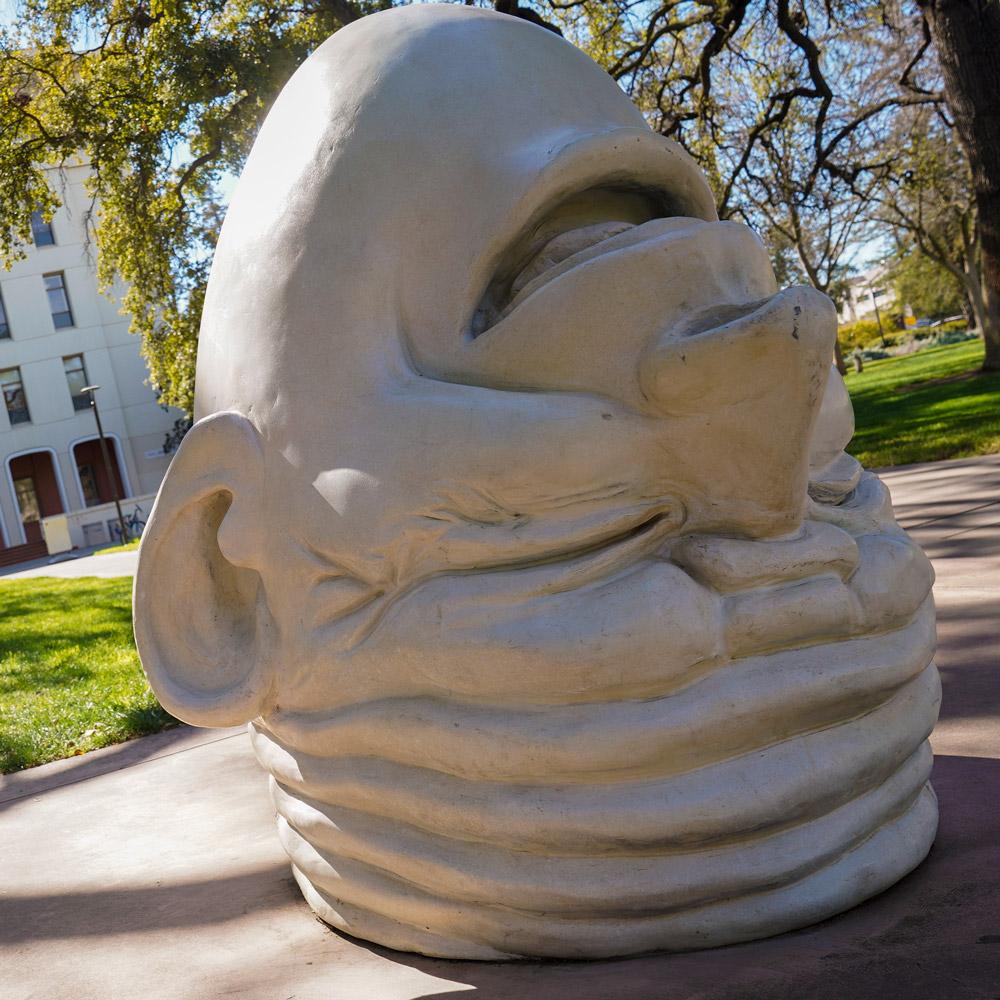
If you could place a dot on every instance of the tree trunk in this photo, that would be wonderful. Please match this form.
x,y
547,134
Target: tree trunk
x,y
967,309
967,36
975,295
513,8
838,357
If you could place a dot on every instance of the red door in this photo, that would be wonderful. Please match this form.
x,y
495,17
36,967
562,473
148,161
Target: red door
x,y
37,491
27,501
94,478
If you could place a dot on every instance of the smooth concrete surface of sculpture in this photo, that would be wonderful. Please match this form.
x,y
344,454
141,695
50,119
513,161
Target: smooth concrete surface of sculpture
x,y
517,524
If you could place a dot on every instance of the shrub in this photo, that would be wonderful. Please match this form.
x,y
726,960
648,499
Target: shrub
x,y
950,334
859,334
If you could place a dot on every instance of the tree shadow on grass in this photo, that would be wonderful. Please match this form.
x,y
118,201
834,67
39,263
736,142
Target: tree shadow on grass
x,y
59,636
116,723
82,618
42,674
902,425
69,666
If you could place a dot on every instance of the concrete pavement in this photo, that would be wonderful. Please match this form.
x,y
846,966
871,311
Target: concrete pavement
x,y
153,870
953,510
112,564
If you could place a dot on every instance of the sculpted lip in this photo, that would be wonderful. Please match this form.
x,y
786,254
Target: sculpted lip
x,y
670,235
632,236
609,554
574,562
604,183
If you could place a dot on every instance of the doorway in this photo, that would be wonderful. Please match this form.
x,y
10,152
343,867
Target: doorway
x,y
36,491
95,485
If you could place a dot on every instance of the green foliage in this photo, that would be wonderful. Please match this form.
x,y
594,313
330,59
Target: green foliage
x,y
926,286
862,333
70,679
162,100
784,259
953,333
906,412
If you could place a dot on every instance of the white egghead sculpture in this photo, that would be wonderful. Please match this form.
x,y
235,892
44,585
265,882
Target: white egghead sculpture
x,y
498,524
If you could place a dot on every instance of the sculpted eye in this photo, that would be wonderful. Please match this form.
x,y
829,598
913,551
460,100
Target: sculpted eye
x,y
566,236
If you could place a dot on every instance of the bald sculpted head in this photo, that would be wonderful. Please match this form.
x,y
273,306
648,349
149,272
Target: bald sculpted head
x,y
498,421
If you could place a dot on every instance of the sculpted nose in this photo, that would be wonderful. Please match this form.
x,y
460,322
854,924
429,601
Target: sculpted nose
x,y
767,358
743,386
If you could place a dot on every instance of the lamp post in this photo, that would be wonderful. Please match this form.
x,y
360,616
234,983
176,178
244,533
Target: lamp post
x,y
875,294
90,390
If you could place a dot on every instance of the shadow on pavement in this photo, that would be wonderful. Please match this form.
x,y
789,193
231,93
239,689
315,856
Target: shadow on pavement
x,y
969,659
140,909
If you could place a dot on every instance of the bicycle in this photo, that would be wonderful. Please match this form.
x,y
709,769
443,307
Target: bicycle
x,y
134,525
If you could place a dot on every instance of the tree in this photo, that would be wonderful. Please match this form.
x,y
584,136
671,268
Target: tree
x,y
162,101
819,218
925,194
745,86
721,76
967,35
922,283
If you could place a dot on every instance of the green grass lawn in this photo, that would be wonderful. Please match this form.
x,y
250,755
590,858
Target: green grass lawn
x,y
127,547
70,679
900,421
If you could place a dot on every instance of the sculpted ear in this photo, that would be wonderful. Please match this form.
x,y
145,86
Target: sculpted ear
x,y
202,624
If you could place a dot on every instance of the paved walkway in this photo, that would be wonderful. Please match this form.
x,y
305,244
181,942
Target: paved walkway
x,y
152,870
113,564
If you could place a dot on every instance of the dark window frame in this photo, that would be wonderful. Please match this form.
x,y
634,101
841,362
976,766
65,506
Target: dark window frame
x,y
4,322
81,400
18,414
88,485
42,233
61,318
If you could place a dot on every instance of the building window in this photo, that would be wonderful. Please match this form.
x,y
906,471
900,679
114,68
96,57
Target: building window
x,y
4,325
13,396
76,379
27,499
55,288
88,485
41,231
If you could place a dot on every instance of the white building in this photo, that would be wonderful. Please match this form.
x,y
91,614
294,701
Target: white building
x,y
864,291
57,335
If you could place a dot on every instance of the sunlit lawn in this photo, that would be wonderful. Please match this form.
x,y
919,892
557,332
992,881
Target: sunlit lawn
x,y
70,679
922,424
127,547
